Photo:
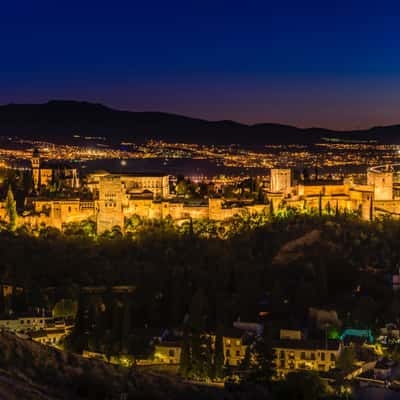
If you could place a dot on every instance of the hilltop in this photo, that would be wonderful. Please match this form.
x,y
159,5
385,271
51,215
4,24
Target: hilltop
x,y
60,120
32,371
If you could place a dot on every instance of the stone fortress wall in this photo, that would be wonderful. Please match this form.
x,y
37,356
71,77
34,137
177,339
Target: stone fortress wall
x,y
120,196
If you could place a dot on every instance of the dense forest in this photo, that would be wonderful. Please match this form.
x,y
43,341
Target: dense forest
x,y
284,264
203,275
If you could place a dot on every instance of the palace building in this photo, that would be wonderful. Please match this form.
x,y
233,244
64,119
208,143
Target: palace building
x,y
109,199
45,173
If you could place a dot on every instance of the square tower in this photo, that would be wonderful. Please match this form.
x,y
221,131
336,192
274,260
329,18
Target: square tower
x,y
281,180
110,212
382,181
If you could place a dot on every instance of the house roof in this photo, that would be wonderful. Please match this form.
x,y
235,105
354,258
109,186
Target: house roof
x,y
307,344
323,182
233,332
169,344
45,333
384,364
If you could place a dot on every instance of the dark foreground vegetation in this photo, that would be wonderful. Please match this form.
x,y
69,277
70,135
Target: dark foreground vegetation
x,y
190,276
337,261
30,371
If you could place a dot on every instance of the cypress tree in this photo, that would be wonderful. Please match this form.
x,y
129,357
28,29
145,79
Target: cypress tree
x,y
191,230
219,356
11,209
2,301
197,362
208,359
245,364
185,365
328,208
260,370
320,204
77,341
371,209
271,208
126,324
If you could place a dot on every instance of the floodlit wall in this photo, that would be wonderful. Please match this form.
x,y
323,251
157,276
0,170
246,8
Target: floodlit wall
x,y
281,180
110,212
382,183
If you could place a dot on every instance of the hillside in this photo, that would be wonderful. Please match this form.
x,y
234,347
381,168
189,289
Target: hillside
x,y
31,371
59,120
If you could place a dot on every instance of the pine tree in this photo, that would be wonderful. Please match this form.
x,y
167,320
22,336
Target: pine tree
x,y
11,209
337,209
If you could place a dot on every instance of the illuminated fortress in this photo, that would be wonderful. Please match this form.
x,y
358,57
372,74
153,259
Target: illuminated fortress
x,y
116,197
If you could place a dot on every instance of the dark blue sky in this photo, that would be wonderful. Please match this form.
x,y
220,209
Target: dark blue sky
x,y
333,64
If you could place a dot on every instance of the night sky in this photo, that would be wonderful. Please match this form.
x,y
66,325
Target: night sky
x,y
305,63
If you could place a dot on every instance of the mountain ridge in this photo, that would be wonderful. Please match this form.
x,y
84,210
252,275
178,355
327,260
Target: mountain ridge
x,y
60,119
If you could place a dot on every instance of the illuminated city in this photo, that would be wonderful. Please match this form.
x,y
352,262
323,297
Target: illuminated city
x,y
199,201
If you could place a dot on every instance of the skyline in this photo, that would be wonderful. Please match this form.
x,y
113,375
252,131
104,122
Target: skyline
x,y
333,68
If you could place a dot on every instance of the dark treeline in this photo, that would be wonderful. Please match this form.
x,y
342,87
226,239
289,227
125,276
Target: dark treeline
x,y
344,263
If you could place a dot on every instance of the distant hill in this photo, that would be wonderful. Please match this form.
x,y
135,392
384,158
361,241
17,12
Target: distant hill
x,y
59,120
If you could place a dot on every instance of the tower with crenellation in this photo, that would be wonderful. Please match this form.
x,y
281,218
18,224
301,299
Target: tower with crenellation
x,y
35,162
110,204
382,182
281,180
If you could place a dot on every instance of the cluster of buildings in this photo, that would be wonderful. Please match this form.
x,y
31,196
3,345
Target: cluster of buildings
x,y
292,351
41,329
36,325
305,348
297,350
109,198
